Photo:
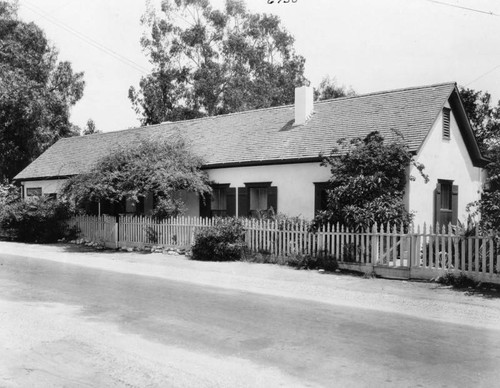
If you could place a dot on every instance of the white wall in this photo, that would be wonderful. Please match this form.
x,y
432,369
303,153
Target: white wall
x,y
48,186
447,160
295,183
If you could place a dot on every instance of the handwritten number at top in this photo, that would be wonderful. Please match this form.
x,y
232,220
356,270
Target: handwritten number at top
x,y
280,1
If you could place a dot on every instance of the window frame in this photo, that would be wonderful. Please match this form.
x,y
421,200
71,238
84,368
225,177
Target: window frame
x,y
244,199
39,189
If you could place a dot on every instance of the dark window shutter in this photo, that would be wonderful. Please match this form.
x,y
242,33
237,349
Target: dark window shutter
x,y
272,198
205,205
231,201
320,196
437,203
454,204
140,206
243,203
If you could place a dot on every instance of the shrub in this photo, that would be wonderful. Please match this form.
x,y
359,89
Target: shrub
x,y
222,242
328,263
460,281
35,219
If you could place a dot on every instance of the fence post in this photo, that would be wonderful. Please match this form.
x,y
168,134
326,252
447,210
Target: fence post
x,y
375,249
115,233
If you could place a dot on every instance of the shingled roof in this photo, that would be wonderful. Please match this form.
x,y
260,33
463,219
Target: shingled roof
x,y
264,136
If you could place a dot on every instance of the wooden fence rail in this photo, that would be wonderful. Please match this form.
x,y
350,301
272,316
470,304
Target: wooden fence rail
x,y
418,253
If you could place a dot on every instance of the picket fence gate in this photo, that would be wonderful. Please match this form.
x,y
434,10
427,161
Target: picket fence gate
x,y
421,253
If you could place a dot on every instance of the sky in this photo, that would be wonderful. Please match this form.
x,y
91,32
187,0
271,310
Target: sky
x,y
364,44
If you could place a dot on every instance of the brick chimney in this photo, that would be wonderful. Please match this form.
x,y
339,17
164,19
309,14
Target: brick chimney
x,y
303,104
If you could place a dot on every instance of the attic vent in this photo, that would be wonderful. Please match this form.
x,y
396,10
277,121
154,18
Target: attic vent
x,y
446,123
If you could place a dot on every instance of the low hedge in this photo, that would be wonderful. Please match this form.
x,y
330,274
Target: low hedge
x,y
41,220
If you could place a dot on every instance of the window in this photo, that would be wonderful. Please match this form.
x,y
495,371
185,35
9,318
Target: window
x,y
34,192
446,203
446,123
320,196
130,206
221,203
256,199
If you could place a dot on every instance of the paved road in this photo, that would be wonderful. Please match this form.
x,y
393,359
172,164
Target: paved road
x,y
67,325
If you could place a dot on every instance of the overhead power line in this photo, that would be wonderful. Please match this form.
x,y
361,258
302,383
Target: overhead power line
x,y
465,8
483,75
85,38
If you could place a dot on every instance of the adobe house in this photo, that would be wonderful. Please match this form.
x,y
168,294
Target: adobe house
x,y
267,158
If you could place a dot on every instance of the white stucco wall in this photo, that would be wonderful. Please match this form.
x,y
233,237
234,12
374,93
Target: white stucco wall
x,y
48,186
295,183
446,160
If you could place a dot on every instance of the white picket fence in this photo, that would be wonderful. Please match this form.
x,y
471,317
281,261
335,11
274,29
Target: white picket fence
x,y
389,252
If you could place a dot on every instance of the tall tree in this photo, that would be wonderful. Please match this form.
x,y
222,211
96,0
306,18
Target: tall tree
x,y
36,92
484,118
210,62
90,128
329,88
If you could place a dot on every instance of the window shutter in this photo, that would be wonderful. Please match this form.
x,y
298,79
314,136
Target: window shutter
x,y
231,201
320,196
140,206
437,203
454,204
272,198
317,198
205,205
243,203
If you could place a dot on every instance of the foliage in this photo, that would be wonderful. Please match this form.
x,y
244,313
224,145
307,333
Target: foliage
x,y
367,183
487,208
36,93
457,281
9,193
484,118
209,62
328,263
222,242
90,128
41,220
328,89
298,261
156,167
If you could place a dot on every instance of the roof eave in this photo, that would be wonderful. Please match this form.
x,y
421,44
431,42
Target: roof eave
x,y
463,122
268,162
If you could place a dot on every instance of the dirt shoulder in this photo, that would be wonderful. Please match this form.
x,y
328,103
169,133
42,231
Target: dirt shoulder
x,y
423,300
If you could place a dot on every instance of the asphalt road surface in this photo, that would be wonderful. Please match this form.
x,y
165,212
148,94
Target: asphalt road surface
x,y
69,325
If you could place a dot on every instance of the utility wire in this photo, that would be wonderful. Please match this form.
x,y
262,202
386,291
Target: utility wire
x,y
472,10
483,75
465,8
86,38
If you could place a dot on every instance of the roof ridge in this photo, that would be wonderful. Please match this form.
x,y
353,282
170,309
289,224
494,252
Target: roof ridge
x,y
264,109
387,92
170,123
